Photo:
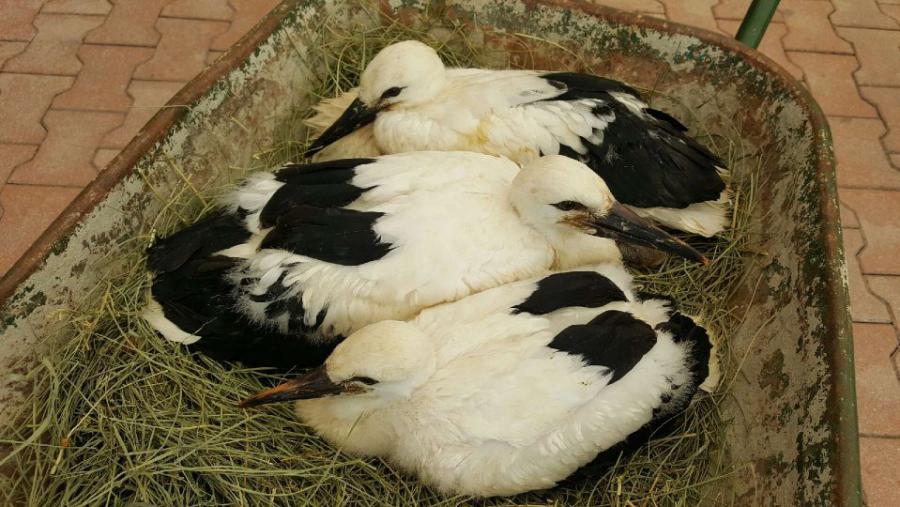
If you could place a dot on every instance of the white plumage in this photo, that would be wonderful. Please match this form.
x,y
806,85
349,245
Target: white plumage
x,y
408,101
509,390
393,235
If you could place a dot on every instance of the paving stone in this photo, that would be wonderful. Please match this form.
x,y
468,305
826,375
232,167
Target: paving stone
x,y
880,481
864,305
9,49
887,101
15,23
199,9
830,78
12,155
103,157
212,56
101,84
149,97
247,13
181,54
861,161
23,100
770,44
879,55
848,217
878,212
860,13
888,289
101,7
67,154
130,22
694,13
877,387
737,9
809,29
891,10
28,210
625,5
54,48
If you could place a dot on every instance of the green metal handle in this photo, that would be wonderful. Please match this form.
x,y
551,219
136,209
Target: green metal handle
x,y
756,21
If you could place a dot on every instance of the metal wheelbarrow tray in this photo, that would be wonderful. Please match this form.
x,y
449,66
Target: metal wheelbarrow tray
x,y
791,415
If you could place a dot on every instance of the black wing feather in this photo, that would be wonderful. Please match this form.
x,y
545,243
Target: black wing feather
x,y
645,161
323,185
335,235
669,416
614,339
217,232
574,288
198,298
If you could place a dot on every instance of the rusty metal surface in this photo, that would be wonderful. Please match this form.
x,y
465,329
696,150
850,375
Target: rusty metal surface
x,y
792,413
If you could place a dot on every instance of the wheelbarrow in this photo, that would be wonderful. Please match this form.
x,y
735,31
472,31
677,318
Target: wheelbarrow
x,y
791,418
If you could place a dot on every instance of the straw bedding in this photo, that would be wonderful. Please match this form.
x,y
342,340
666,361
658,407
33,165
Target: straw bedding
x,y
118,416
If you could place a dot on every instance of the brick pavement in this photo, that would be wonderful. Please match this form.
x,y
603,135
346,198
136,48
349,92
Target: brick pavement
x,y
78,78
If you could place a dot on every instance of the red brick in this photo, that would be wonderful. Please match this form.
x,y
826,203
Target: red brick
x,y
737,9
15,23
809,29
861,162
879,55
149,97
695,13
102,82
9,49
181,54
12,155
848,217
888,289
247,13
66,156
212,56
878,212
880,481
830,78
23,100
770,45
860,13
130,22
199,9
101,7
891,10
864,306
54,48
103,157
28,210
877,387
887,101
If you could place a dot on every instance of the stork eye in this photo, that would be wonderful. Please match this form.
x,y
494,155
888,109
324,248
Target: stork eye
x,y
363,380
570,205
391,92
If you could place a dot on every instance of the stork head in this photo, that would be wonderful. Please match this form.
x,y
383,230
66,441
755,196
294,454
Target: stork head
x,y
374,366
404,73
572,206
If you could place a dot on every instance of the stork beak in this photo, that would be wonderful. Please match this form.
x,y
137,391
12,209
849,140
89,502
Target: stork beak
x,y
313,384
356,116
622,224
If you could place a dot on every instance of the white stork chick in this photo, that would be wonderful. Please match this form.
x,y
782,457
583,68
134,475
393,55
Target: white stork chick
x,y
314,252
510,390
408,101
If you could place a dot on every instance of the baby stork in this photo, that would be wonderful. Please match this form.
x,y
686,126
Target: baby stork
x,y
510,390
314,252
408,101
